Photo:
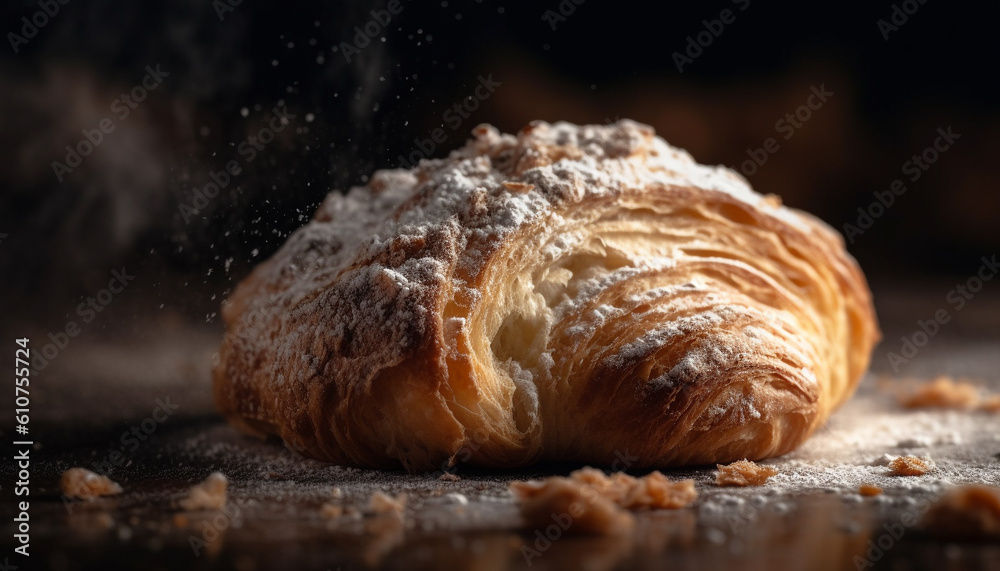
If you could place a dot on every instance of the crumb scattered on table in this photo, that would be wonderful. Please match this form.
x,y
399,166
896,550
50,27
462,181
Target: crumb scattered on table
x,y
382,503
869,490
966,512
991,404
592,502
331,511
210,494
743,473
86,485
908,466
943,392
449,477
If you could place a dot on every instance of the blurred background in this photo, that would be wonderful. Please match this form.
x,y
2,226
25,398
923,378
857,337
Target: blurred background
x,y
823,104
155,152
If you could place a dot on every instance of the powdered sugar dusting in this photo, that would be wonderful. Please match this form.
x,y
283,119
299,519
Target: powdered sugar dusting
x,y
407,272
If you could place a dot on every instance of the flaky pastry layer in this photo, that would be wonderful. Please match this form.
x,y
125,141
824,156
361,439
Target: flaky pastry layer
x,y
584,293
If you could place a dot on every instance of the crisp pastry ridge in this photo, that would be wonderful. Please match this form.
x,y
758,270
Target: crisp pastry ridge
x,y
583,293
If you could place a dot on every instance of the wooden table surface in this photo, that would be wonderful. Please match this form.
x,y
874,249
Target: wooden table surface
x,y
808,518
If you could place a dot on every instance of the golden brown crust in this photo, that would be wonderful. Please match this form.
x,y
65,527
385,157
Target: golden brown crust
x,y
573,293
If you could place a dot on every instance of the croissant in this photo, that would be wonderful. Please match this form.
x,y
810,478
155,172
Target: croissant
x,y
579,293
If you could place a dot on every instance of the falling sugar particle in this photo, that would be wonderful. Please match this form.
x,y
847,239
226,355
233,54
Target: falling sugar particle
x,y
254,252
310,117
244,112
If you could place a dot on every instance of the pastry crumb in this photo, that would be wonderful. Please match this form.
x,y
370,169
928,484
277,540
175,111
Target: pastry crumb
x,y
86,485
448,477
908,466
518,187
869,490
210,494
966,512
592,502
743,473
943,392
331,511
991,404
656,491
382,503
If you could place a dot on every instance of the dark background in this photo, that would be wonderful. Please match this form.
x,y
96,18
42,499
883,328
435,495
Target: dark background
x,y
60,242
605,60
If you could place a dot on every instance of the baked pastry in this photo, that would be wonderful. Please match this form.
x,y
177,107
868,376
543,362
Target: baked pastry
x,y
583,293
